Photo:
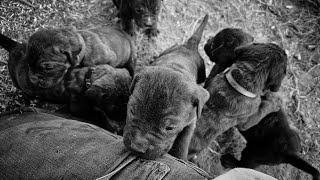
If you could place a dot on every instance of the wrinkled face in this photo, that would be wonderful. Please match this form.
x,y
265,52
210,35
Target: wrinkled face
x,y
49,70
146,12
50,53
158,110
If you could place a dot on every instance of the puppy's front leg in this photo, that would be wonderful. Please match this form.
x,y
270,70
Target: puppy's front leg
x,y
269,104
153,31
127,23
181,143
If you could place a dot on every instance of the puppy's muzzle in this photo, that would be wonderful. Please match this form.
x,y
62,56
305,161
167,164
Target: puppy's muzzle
x,y
134,141
148,21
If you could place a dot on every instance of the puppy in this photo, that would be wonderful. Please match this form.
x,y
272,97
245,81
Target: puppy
x,y
51,52
166,101
235,95
144,12
271,142
220,48
85,89
101,93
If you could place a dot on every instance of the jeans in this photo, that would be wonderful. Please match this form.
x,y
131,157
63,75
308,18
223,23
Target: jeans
x,y
38,145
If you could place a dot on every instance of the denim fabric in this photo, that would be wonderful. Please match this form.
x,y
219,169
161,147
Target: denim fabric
x,y
37,145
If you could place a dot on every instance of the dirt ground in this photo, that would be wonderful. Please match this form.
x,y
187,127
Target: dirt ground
x,y
266,20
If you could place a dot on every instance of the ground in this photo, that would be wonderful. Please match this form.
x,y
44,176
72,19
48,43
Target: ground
x,y
294,26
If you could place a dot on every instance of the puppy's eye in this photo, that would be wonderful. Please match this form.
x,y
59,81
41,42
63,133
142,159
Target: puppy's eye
x,y
169,128
131,111
139,10
47,66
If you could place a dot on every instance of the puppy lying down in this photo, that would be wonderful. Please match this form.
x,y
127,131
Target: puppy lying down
x,y
239,97
166,101
85,89
51,52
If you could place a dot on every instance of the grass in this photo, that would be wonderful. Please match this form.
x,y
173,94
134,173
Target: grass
x,y
293,25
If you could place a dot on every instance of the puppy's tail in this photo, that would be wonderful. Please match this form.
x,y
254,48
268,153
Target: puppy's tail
x,y
7,43
195,39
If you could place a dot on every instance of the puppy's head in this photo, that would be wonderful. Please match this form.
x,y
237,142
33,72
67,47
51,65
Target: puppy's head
x,y
145,12
220,48
161,105
50,52
267,58
110,93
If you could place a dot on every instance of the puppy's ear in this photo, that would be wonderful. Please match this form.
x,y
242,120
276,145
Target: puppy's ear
x,y
277,70
275,78
72,57
198,100
136,77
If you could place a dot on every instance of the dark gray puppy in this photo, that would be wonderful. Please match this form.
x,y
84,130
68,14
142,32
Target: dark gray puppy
x,y
236,95
144,12
166,101
271,142
220,48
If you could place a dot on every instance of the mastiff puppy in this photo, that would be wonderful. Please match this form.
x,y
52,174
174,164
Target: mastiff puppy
x,y
166,101
85,89
144,12
51,52
220,48
271,142
239,96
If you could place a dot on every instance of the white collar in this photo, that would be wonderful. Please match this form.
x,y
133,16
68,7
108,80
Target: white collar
x,y
237,86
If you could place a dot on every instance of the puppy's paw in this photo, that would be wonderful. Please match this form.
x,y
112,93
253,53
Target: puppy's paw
x,y
128,28
130,31
152,32
270,103
228,161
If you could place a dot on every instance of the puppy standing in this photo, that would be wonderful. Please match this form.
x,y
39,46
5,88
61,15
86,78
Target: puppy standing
x,y
51,52
220,48
271,142
166,101
144,12
235,96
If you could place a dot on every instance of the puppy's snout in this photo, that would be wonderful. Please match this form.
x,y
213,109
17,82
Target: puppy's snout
x,y
138,143
139,146
148,21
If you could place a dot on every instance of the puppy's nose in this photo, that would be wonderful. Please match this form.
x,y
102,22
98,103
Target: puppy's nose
x,y
139,147
148,22
139,144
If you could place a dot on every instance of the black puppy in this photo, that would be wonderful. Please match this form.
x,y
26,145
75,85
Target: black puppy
x,y
143,12
271,142
220,48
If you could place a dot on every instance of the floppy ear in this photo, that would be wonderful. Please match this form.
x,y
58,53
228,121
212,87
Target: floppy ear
x,y
136,77
133,83
198,100
73,57
277,71
275,77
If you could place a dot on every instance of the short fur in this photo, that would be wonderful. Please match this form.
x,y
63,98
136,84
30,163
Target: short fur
x,y
258,68
144,12
106,89
271,142
51,52
166,101
220,48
